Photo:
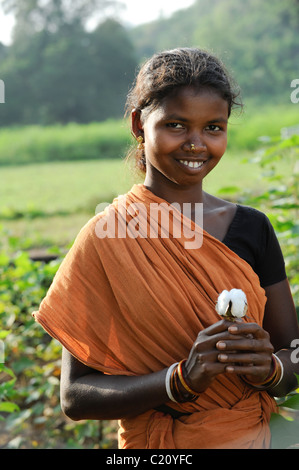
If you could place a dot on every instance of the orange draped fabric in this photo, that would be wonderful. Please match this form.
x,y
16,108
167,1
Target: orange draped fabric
x,y
130,305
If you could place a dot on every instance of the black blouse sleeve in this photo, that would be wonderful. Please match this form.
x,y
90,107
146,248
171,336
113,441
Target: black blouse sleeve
x,y
252,237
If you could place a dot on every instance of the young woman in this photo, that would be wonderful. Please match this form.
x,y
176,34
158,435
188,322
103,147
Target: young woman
x,y
135,312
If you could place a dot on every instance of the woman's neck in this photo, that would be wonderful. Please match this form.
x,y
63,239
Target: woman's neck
x,y
174,193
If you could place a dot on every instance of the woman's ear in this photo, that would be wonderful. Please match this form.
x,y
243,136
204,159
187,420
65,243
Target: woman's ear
x,y
136,124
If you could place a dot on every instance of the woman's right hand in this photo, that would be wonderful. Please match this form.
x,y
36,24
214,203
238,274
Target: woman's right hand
x,y
202,365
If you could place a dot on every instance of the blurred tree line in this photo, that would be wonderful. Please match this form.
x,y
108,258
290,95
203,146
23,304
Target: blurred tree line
x,y
56,71
257,39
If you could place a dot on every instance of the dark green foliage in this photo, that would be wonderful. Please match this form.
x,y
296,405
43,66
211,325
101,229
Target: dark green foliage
x,y
281,203
68,75
280,200
29,377
258,41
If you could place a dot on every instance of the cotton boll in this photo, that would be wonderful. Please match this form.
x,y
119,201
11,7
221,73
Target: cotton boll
x,y
223,302
232,304
239,303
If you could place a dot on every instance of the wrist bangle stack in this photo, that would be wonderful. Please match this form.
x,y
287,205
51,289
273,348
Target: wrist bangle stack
x,y
168,382
274,378
177,388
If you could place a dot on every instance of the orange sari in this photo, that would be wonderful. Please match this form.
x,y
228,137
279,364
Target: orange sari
x,y
132,306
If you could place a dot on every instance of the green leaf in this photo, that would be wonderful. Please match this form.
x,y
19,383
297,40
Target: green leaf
x,y
21,364
292,402
291,142
8,371
4,259
8,407
3,334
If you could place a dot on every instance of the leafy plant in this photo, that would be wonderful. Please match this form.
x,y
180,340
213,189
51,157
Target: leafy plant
x,y
280,200
284,424
7,391
29,379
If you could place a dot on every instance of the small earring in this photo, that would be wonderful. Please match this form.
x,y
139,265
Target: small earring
x,y
140,145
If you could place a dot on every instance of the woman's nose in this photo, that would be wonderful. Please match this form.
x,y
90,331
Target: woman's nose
x,y
194,144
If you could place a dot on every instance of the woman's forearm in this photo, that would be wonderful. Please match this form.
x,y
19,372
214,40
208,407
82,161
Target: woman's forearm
x,y
99,396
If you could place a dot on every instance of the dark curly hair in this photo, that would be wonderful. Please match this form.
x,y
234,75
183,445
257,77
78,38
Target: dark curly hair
x,y
178,68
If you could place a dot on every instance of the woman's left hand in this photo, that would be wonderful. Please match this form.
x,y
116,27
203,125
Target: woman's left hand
x,y
249,354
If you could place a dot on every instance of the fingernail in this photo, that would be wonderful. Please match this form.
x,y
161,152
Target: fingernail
x,y
222,357
221,345
232,329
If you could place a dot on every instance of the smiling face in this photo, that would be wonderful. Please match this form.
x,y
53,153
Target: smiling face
x,y
186,116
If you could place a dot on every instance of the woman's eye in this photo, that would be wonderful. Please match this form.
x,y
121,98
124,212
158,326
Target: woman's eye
x,y
213,127
175,125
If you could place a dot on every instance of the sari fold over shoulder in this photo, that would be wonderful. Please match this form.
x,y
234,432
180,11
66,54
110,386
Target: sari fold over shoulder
x,y
130,299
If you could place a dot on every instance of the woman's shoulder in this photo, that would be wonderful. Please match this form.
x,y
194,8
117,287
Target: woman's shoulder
x,y
216,204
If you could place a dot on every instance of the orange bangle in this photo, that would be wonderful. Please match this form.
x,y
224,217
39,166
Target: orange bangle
x,y
182,379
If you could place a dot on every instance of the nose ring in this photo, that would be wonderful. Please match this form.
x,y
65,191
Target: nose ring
x,y
192,147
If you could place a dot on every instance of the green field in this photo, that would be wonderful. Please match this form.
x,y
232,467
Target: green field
x,y
48,203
